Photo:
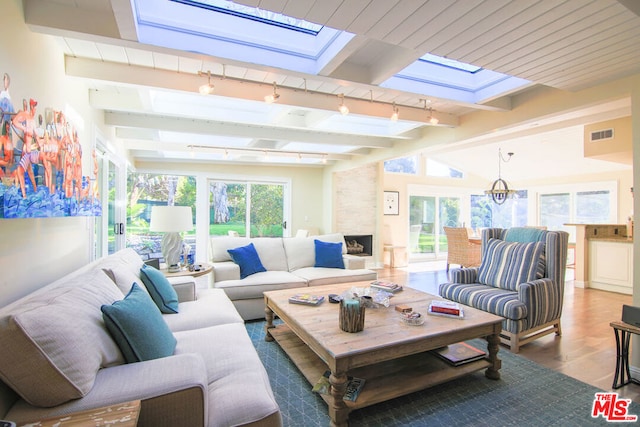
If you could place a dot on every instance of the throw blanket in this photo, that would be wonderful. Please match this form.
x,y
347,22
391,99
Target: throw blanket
x,y
523,235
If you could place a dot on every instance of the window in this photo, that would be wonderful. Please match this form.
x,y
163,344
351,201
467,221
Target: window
x,y
512,213
249,209
435,168
592,203
147,190
408,165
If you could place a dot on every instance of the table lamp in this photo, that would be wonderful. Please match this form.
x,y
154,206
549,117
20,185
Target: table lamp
x,y
171,220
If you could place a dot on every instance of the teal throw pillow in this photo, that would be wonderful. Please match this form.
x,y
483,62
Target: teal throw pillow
x,y
328,254
137,326
160,289
247,259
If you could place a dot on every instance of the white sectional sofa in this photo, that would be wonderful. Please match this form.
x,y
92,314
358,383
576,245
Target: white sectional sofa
x,y
289,263
58,357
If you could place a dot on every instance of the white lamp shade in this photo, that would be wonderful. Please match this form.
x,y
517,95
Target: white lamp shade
x,y
168,219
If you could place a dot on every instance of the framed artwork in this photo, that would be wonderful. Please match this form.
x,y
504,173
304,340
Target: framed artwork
x,y
391,203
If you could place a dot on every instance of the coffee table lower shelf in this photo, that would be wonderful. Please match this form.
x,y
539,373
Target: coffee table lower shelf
x,y
385,380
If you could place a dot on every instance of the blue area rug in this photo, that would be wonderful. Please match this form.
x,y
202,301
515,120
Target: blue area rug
x,y
526,395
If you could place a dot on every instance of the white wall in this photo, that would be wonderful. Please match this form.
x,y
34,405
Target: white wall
x,y
37,251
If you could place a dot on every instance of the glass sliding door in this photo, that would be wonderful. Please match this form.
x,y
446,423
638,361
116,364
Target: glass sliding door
x,y
449,216
422,220
267,210
246,208
428,215
108,234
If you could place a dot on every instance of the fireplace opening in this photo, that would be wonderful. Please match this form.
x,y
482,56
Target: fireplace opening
x,y
359,245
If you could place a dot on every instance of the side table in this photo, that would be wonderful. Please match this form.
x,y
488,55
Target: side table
x,y
205,269
119,415
623,333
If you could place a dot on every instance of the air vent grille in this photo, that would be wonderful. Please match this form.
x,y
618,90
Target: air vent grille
x,y
599,135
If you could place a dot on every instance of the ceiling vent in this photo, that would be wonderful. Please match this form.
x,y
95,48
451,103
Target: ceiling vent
x,y
599,135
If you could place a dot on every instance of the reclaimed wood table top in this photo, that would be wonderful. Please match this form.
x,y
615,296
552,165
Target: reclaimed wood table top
x,y
391,356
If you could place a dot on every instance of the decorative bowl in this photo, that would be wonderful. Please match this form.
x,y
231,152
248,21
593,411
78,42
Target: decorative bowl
x,y
412,318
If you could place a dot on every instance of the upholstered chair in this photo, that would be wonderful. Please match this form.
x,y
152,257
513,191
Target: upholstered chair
x,y
521,278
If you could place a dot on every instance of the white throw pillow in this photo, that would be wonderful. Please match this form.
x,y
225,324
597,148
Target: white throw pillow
x,y
52,348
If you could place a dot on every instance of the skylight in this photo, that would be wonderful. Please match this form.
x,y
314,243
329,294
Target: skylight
x,y
253,13
451,63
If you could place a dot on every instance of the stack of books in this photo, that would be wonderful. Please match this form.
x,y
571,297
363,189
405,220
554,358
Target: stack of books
x,y
446,308
459,353
306,299
386,286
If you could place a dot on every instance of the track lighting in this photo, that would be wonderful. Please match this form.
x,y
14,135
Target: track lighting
x,y
271,98
396,113
208,88
432,120
344,110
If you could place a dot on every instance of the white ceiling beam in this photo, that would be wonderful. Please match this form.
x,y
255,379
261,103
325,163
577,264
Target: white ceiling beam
x,y
233,88
243,130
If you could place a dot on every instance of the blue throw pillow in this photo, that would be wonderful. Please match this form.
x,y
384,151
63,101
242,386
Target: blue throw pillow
x,y
328,254
160,289
137,326
247,258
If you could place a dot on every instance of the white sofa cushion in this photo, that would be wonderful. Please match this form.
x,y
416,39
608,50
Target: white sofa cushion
x,y
316,276
211,308
271,253
270,250
239,388
301,252
254,285
220,245
53,345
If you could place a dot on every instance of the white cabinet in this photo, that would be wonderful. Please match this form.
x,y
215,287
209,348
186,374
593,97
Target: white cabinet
x,y
611,265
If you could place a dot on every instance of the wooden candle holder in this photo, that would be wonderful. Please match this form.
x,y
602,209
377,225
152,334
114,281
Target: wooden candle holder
x,y
351,315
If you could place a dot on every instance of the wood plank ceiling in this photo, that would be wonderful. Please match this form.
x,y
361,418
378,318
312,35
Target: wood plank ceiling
x,y
569,45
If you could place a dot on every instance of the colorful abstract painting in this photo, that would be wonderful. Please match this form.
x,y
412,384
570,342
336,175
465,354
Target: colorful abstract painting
x,y
41,163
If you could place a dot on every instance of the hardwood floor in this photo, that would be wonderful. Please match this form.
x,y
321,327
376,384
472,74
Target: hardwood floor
x,y
585,351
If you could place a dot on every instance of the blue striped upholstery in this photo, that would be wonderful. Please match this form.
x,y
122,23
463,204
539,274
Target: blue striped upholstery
x,y
529,304
502,302
506,265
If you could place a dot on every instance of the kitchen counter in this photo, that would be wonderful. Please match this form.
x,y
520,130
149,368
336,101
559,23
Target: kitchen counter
x,y
603,257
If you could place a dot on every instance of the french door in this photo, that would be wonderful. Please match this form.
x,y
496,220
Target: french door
x,y
109,230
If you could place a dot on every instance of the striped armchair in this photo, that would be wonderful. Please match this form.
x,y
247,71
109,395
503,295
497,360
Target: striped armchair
x,y
521,278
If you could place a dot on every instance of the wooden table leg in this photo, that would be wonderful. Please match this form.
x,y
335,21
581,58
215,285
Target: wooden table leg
x,y
338,411
268,314
493,345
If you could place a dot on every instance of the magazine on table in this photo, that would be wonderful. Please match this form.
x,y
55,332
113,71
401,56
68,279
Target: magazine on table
x,y
354,386
386,286
306,299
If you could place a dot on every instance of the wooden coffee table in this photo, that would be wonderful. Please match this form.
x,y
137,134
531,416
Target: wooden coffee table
x,y
392,357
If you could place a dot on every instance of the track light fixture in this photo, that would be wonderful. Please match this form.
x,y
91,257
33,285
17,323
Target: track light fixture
x,y
273,97
433,120
344,110
206,89
396,113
